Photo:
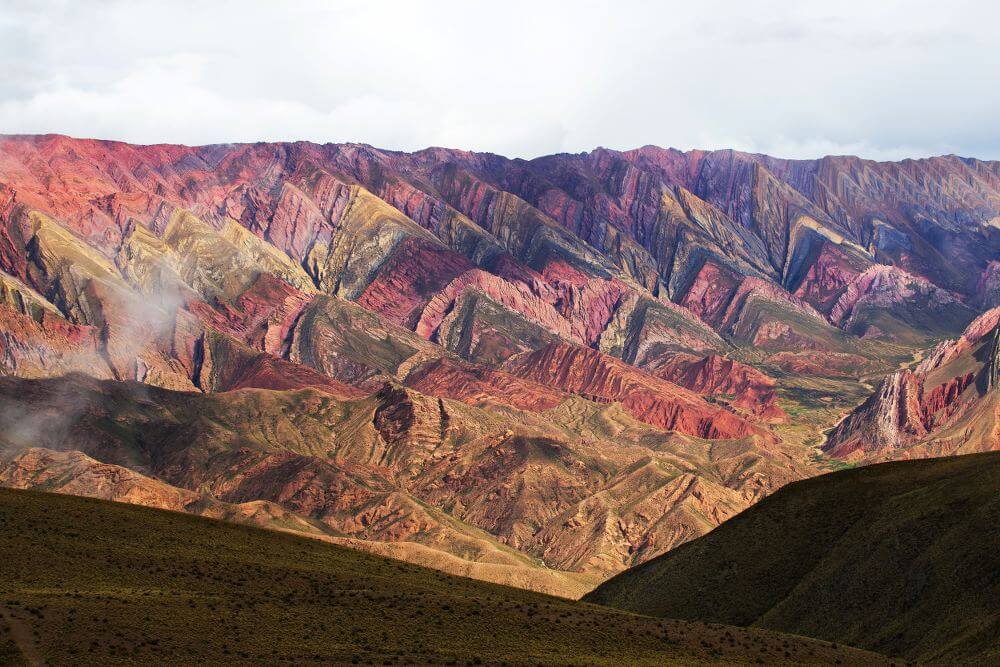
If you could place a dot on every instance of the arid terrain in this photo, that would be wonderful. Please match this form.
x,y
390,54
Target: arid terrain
x,y
536,372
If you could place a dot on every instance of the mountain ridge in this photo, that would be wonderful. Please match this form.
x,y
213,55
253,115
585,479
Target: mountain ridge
x,y
436,149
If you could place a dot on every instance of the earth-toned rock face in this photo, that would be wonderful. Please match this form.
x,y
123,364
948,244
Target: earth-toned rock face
x,y
599,377
536,371
715,375
947,404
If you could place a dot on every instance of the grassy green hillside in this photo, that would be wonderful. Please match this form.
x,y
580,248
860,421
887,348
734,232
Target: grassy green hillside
x,y
901,558
92,582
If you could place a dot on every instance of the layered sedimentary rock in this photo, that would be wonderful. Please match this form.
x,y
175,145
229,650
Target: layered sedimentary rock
x,y
510,295
886,301
597,376
947,404
886,420
828,275
745,387
477,385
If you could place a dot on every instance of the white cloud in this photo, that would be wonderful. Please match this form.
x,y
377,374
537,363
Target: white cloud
x,y
880,79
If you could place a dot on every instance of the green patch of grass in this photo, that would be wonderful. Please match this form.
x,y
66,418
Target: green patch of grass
x,y
830,465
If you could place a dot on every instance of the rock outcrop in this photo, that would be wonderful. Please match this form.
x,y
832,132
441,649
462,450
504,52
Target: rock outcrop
x,y
743,386
513,296
888,419
481,386
947,404
596,376
885,301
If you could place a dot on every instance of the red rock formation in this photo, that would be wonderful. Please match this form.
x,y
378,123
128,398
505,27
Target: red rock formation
x,y
939,403
721,298
412,276
49,346
589,306
512,295
480,386
263,315
264,371
981,326
711,292
558,270
597,376
715,375
827,278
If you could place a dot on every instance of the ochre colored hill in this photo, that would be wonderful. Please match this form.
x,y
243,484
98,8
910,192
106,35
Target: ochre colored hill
x,y
533,371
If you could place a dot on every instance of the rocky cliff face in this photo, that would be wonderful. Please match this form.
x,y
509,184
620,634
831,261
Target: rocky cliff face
x,y
947,404
577,361
889,418
886,301
598,377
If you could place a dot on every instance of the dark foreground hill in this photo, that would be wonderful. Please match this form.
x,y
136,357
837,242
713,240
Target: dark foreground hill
x,y
901,558
92,582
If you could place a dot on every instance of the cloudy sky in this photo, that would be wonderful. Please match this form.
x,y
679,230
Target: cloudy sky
x,y
878,78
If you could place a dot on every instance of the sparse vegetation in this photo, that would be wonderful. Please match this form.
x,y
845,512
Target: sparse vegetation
x,y
900,558
93,582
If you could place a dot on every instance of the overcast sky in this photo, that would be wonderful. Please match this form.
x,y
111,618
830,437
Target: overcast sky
x,y
877,78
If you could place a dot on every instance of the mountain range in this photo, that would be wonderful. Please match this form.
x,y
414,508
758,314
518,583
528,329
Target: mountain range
x,y
532,372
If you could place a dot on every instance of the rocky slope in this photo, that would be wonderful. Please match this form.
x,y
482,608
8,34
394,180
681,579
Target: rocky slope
x,y
946,404
602,378
563,365
492,487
